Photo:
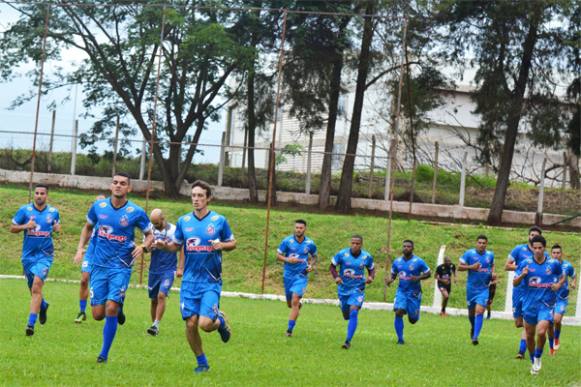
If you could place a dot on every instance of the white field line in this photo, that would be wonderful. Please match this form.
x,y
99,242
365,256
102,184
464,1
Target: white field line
x,y
567,320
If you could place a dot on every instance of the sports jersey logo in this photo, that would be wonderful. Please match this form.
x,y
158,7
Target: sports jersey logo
x,y
103,204
38,233
103,216
210,230
193,245
129,210
215,218
29,208
51,209
105,232
536,282
187,218
48,219
189,229
548,270
306,250
124,221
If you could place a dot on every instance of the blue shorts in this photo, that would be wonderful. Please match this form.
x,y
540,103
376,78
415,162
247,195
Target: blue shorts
x,y
159,283
477,297
409,302
86,265
517,295
537,313
36,268
353,299
561,306
108,284
203,303
296,285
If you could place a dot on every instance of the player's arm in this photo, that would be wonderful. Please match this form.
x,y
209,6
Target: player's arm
x,y
335,274
370,275
19,225
146,246
225,246
558,285
390,278
424,276
86,232
283,258
181,261
463,266
518,278
311,262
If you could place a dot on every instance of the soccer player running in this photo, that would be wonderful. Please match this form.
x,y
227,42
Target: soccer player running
x,y
85,270
516,256
299,254
479,263
162,267
38,220
351,281
542,277
410,269
444,274
562,298
115,219
204,234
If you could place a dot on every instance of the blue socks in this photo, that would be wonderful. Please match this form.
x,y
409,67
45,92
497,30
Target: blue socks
x,y
538,352
352,325
202,361
477,325
83,305
32,319
551,342
523,346
398,324
557,333
291,325
109,331
43,304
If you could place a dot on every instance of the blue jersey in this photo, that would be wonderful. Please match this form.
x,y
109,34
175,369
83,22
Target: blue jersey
x,y
519,254
568,271
38,241
405,269
352,270
91,247
290,247
163,260
478,279
115,236
203,264
538,281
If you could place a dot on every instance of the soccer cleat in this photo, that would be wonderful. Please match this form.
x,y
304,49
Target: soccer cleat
x,y
537,364
224,329
471,333
474,341
202,368
533,371
80,317
346,345
488,316
400,342
520,356
101,359
42,315
153,330
121,317
29,330
289,333
552,352
557,344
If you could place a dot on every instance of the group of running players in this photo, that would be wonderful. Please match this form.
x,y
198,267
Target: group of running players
x,y
198,238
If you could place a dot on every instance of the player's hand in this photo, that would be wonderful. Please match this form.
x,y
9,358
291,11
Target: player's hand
x,y
56,227
476,266
137,252
293,260
573,286
216,244
368,280
31,225
159,244
338,281
555,287
78,258
525,271
179,272
309,268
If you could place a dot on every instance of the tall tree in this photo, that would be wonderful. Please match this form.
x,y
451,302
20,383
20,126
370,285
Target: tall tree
x,y
120,41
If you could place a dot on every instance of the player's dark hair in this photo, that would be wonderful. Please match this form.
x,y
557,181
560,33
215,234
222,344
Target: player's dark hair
x,y
123,174
482,236
301,221
203,185
408,241
539,239
556,246
41,186
537,229
357,236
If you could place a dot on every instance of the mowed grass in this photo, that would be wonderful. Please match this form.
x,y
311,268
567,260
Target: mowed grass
x,y
331,232
437,351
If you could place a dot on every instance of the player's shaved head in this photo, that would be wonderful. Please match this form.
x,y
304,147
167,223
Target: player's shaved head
x,y
157,218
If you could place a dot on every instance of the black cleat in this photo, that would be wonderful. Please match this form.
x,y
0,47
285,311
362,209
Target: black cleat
x,y
224,329
474,341
121,317
42,315
202,368
80,317
520,356
101,359
29,330
153,330
346,345
289,333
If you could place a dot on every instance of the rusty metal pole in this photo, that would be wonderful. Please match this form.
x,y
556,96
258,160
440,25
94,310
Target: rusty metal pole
x,y
272,153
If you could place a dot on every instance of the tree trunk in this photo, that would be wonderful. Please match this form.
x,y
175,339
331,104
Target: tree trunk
x,y
251,128
502,181
574,171
346,188
334,92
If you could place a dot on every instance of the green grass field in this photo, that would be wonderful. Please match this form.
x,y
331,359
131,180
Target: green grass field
x,y
437,351
331,232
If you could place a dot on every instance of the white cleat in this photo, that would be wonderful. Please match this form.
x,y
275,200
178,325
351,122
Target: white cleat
x,y
537,364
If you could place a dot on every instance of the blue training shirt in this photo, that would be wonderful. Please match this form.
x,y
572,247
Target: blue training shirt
x,y
352,270
91,247
404,269
115,238
38,241
290,247
538,281
478,279
519,254
568,271
163,260
203,264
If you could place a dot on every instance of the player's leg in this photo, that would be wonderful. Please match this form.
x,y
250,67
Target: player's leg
x,y
297,288
399,307
164,289
355,302
195,342
560,310
211,318
98,289
345,309
413,307
35,303
530,330
83,296
491,294
517,314
153,285
478,321
445,297
157,311
551,339
542,328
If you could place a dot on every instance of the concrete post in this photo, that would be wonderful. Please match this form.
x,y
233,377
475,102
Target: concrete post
x,y
371,168
142,161
309,160
74,147
222,160
115,146
51,142
508,297
463,180
437,295
539,215
436,171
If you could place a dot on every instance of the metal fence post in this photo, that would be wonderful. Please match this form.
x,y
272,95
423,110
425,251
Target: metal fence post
x,y
222,159
51,142
371,167
539,215
436,171
463,180
309,160
387,178
74,147
142,161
